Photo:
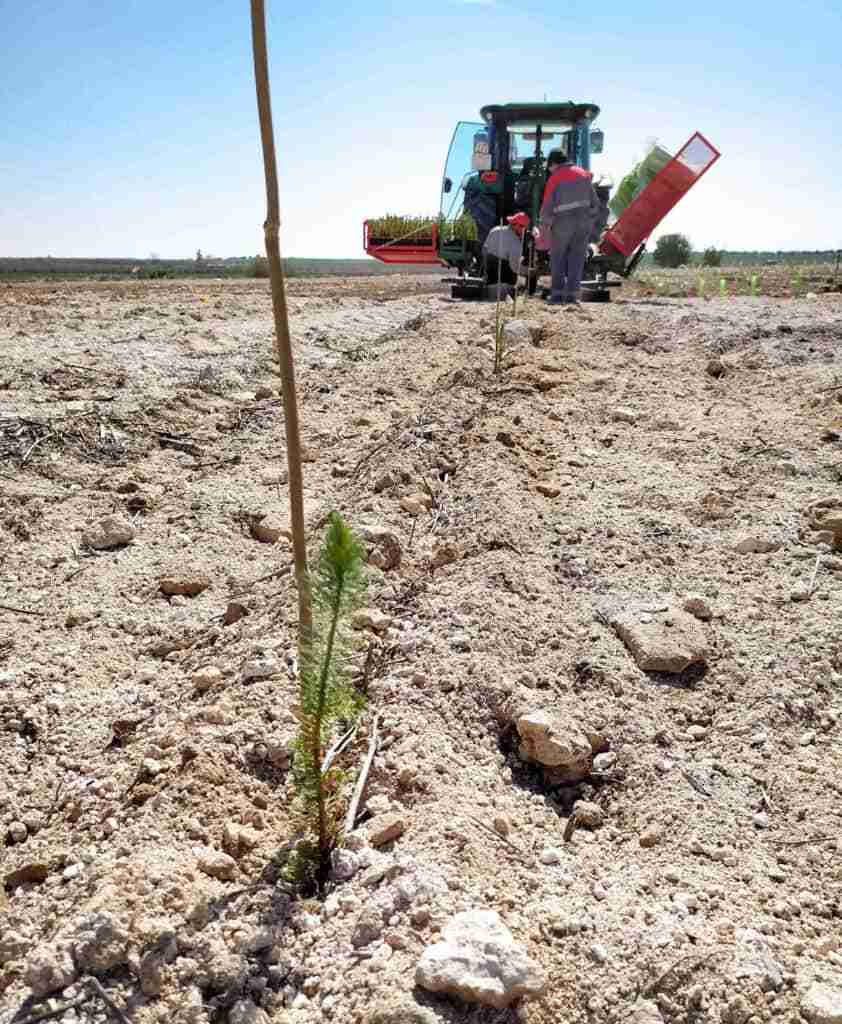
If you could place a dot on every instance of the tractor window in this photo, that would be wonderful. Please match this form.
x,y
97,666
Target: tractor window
x,y
469,155
523,141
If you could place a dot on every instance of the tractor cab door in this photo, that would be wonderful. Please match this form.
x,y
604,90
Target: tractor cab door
x,y
469,154
463,192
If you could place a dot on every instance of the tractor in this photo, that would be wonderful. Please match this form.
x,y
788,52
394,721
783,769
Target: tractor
x,y
497,167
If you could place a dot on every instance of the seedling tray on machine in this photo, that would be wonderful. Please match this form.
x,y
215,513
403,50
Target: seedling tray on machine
x,y
403,250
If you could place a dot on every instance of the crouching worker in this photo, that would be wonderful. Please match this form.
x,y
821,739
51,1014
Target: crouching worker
x,y
503,250
568,211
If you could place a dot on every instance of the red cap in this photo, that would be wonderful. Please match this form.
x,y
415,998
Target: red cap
x,y
518,220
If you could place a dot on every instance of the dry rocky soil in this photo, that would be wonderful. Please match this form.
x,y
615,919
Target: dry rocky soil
x,y
601,646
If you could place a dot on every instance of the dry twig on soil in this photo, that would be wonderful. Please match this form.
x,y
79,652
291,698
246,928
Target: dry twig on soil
x,y
355,472
91,436
652,988
20,611
276,574
94,988
373,744
106,998
56,1012
506,842
337,748
805,842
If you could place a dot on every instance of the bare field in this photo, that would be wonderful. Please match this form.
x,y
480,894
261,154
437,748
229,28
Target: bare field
x,y
670,458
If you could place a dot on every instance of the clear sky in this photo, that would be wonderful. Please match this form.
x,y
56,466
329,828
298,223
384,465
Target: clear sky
x,y
129,127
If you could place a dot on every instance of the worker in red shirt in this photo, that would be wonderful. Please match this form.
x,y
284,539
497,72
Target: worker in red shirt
x,y
568,210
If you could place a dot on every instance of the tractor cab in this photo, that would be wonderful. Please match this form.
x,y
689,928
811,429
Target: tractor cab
x,y
498,166
508,149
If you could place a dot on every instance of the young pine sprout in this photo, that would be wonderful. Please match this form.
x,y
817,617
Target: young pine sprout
x,y
326,696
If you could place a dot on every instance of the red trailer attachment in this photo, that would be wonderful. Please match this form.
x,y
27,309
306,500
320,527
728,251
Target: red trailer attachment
x,y
403,250
646,211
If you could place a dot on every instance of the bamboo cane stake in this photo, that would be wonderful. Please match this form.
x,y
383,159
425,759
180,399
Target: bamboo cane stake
x,y
283,344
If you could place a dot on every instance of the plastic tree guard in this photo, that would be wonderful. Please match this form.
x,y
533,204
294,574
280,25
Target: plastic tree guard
x,y
403,251
646,211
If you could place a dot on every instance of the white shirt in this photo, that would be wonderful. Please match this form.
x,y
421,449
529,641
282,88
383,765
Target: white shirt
x,y
505,244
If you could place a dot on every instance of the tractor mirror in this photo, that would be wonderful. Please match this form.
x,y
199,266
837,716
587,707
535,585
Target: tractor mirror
x,y
597,140
447,186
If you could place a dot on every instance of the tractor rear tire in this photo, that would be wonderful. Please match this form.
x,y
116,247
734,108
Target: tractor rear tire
x,y
464,291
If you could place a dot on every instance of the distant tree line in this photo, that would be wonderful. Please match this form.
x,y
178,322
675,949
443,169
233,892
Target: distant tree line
x,y
675,250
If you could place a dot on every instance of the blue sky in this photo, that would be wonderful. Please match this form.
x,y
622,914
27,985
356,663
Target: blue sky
x,y
129,126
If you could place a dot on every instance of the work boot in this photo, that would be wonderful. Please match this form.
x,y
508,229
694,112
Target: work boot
x,y
554,300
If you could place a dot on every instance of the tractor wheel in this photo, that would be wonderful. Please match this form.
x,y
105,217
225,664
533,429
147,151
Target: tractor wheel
x,y
466,291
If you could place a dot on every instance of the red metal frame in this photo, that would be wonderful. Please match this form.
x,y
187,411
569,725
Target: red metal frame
x,y
646,211
402,252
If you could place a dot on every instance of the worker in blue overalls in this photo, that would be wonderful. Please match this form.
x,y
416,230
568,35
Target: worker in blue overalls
x,y
568,211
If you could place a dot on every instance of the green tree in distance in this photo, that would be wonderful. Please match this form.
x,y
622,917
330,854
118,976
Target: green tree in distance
x,y
712,257
673,251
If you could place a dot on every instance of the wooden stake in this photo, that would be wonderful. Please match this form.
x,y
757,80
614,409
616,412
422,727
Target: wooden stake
x,y
283,344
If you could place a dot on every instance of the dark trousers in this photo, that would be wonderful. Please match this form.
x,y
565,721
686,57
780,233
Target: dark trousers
x,y
498,270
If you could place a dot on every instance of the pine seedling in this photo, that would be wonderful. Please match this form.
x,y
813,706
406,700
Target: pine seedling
x,y
326,696
531,274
